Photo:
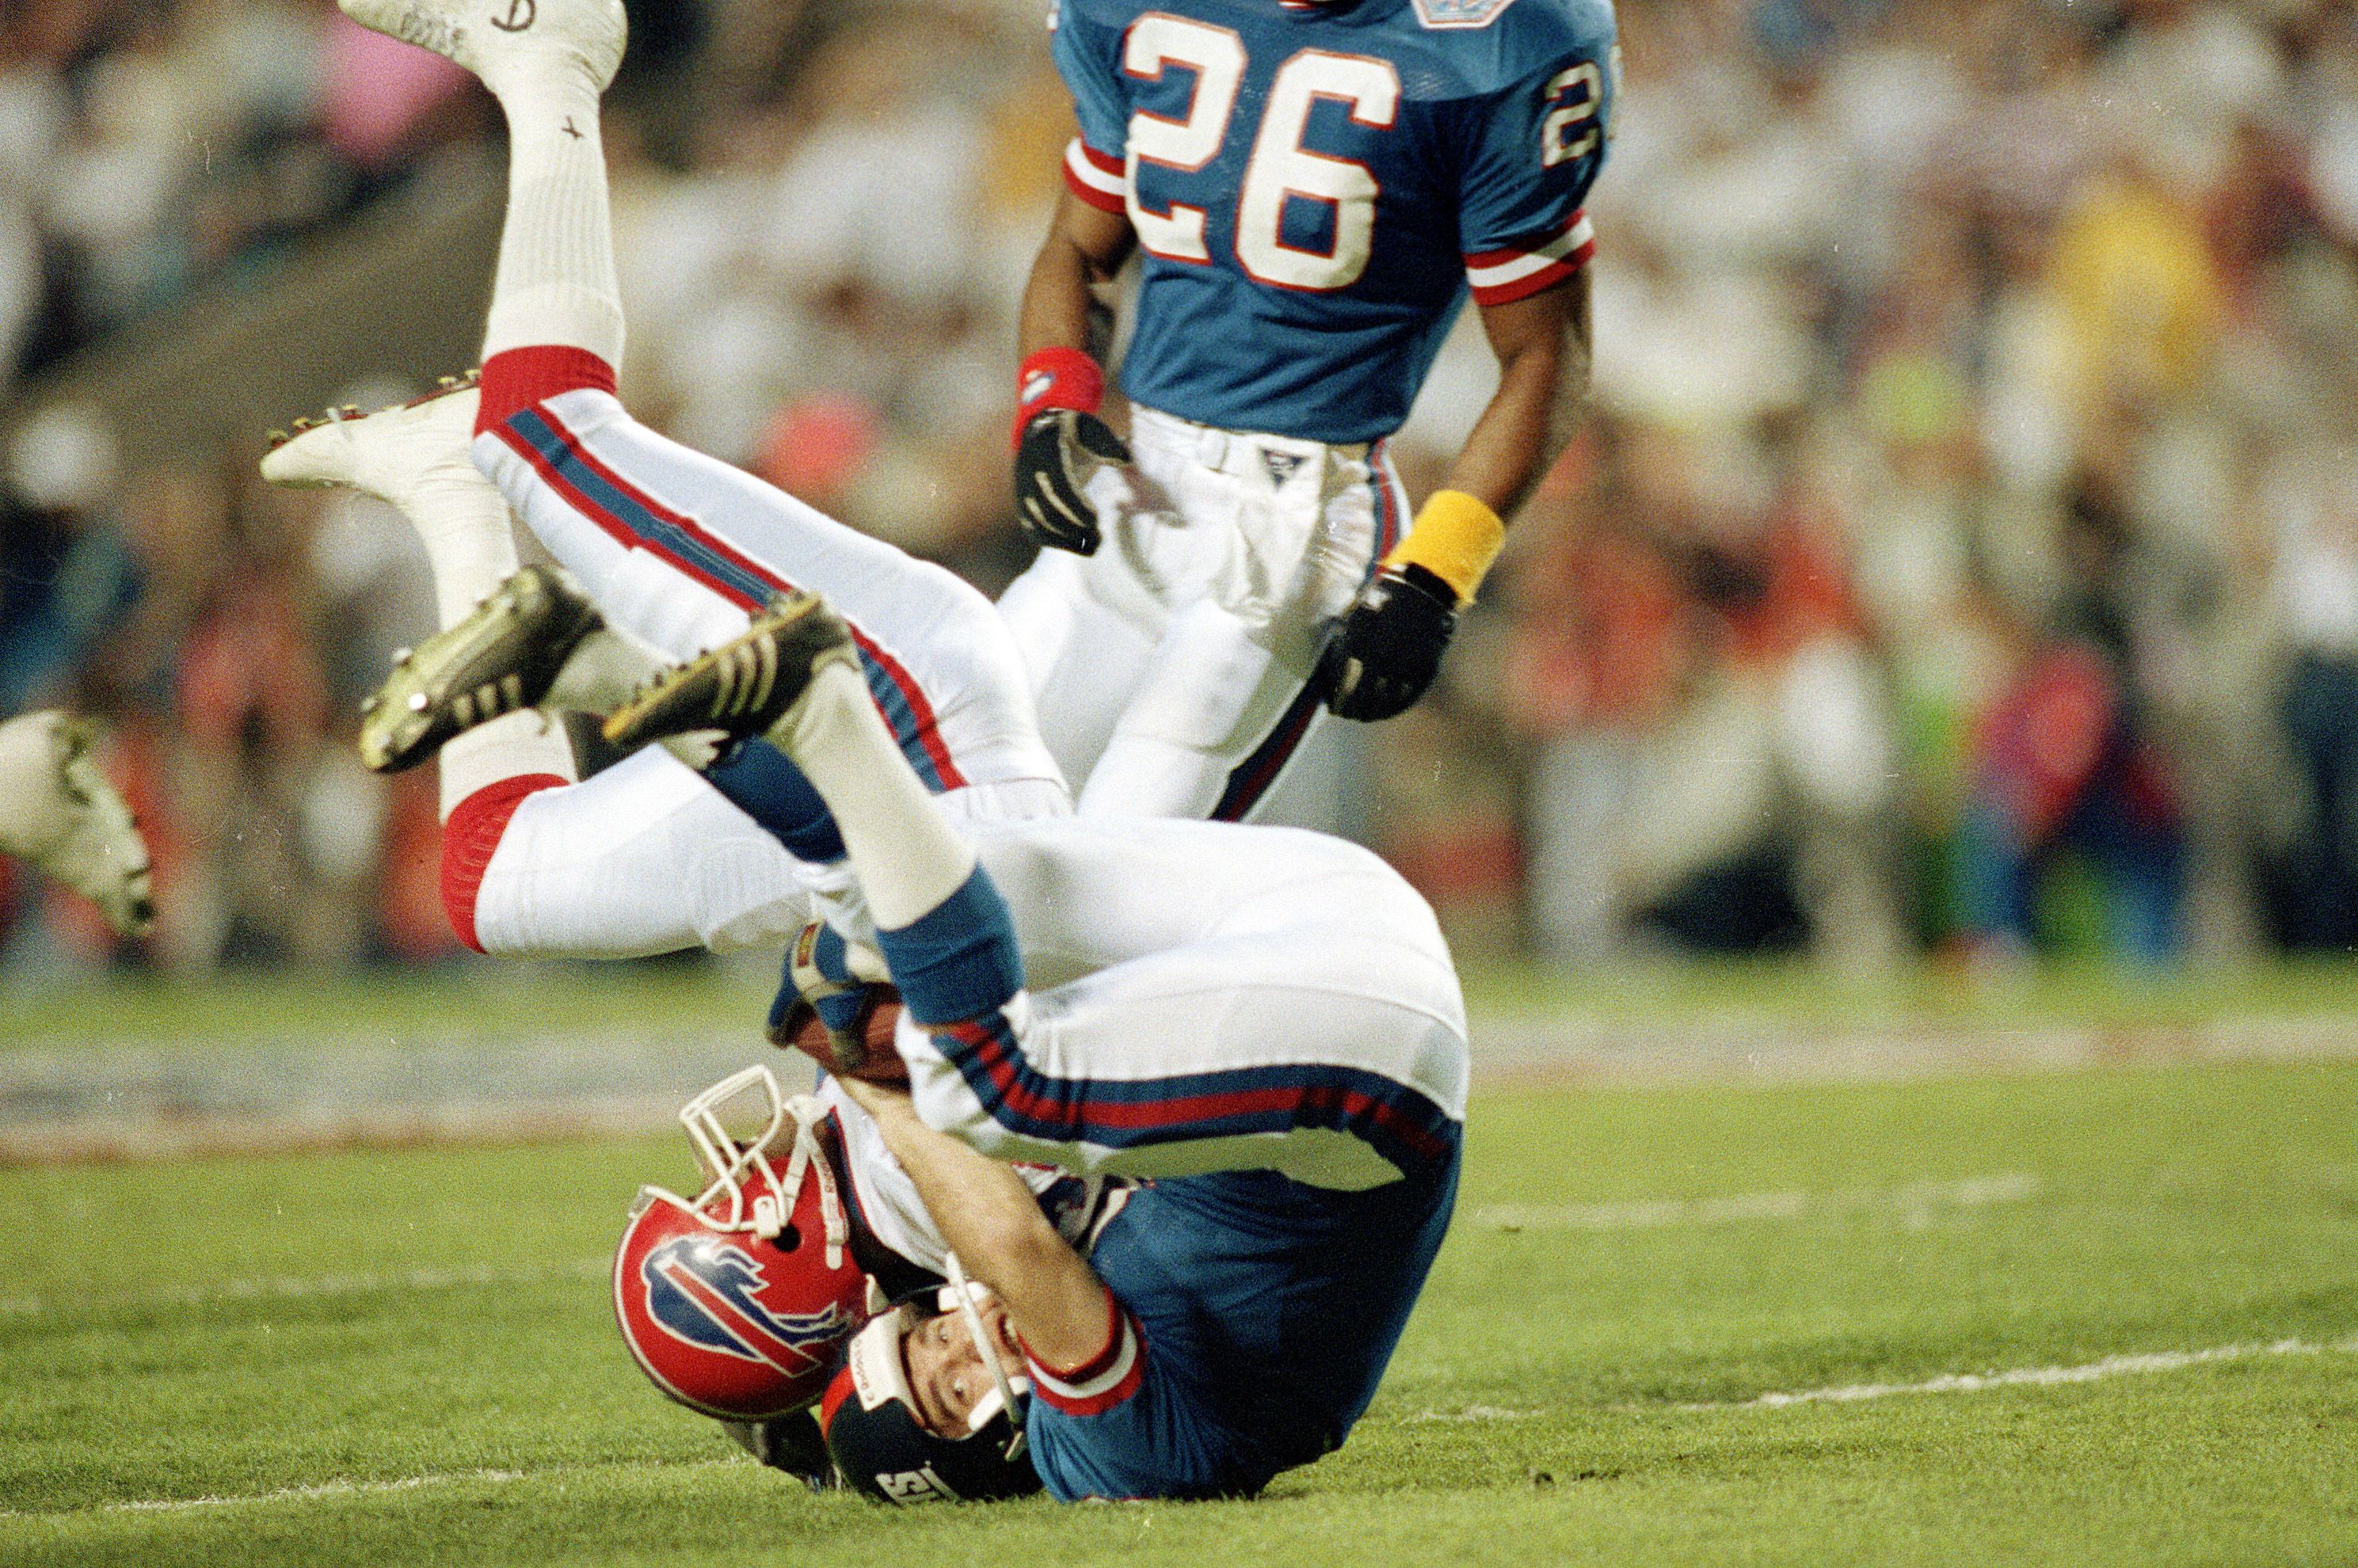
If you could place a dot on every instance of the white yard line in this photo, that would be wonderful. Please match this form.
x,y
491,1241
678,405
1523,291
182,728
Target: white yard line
x,y
1956,1382
2036,1377
358,1488
1647,1214
232,1291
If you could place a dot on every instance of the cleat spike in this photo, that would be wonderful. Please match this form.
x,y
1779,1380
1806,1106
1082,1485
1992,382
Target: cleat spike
x,y
502,658
745,686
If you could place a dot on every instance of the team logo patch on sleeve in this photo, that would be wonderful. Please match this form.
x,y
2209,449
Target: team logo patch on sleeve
x,y
707,1291
1460,13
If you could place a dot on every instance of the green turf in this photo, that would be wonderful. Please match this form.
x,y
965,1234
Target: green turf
x,y
155,1347
477,996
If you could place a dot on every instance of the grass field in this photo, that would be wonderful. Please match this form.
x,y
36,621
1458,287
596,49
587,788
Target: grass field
x,y
404,1357
507,997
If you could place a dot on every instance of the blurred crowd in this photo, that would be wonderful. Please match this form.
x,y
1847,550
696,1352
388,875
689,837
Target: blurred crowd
x,y
1961,554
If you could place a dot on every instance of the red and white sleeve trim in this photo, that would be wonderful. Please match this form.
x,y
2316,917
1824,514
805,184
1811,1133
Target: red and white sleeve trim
x,y
1500,277
1094,177
1106,1379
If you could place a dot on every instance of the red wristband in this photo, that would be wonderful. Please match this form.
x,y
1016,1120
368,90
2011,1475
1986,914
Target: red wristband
x,y
1054,378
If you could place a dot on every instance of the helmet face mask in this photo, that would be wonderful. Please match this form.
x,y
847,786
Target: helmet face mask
x,y
878,1434
728,1163
737,1301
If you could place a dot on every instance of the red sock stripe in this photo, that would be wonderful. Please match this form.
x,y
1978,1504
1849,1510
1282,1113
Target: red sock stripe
x,y
472,837
518,378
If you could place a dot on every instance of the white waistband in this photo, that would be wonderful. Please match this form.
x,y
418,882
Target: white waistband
x,y
1215,447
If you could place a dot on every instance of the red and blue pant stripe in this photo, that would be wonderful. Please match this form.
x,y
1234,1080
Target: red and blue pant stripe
x,y
633,517
1397,1121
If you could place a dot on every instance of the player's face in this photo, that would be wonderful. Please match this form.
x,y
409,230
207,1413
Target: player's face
x,y
946,1374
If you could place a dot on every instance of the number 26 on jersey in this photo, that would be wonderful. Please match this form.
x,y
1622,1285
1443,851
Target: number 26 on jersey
x,y
1280,167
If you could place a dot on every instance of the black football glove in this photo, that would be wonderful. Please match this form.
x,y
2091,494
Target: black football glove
x,y
1061,451
1387,648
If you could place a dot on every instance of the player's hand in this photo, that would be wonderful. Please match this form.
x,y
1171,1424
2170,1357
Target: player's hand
x,y
1387,648
1060,451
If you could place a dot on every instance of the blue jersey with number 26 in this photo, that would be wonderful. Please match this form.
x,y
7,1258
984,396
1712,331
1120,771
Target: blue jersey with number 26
x,y
1316,187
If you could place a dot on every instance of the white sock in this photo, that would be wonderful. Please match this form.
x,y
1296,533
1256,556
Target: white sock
x,y
468,543
602,672
907,858
556,281
530,741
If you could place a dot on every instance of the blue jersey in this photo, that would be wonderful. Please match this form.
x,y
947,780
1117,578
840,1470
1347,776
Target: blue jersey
x,y
1316,187
1250,1320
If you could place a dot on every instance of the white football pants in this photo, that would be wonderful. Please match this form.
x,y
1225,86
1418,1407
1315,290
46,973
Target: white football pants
x,y
1170,668
1204,996
677,548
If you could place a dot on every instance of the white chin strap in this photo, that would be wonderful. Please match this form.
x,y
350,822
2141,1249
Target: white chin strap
x,y
1002,1396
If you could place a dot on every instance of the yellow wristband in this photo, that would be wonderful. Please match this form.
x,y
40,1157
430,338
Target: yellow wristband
x,y
1455,538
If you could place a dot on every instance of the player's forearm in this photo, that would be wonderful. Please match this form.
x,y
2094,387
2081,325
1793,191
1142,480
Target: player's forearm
x,y
1516,436
993,1223
1084,248
1056,302
1538,404
1543,355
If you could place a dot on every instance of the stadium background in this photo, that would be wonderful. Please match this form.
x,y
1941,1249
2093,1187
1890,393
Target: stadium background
x,y
1962,558
1961,561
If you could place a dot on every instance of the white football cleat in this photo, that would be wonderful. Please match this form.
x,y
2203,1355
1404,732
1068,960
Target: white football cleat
x,y
507,43
59,814
392,454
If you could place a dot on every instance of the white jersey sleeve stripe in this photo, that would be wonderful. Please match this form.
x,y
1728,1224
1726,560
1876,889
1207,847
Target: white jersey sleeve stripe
x,y
1500,277
1105,1380
1094,178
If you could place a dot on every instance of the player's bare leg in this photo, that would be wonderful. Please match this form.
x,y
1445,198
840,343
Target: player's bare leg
x,y
60,813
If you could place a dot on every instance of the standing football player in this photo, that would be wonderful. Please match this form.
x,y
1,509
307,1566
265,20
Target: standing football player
x,y
1313,190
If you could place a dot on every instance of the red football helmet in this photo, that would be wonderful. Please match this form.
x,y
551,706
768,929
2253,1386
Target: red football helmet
x,y
737,1303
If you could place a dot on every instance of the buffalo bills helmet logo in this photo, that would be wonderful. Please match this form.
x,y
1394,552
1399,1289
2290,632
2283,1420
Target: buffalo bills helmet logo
x,y
706,1290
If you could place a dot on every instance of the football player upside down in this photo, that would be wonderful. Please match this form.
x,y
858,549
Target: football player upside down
x,y
1263,1024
